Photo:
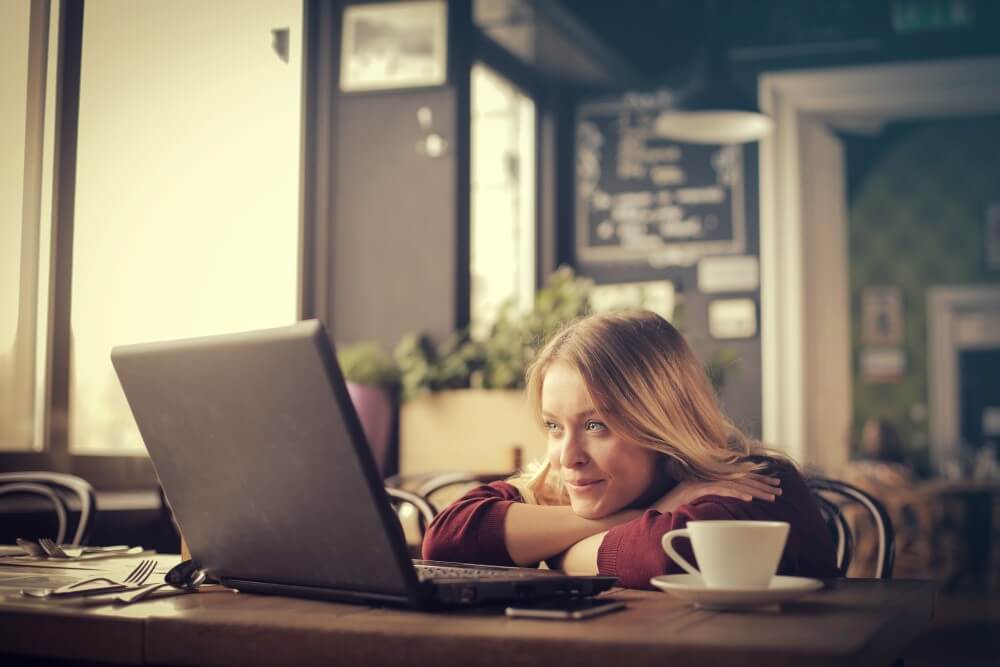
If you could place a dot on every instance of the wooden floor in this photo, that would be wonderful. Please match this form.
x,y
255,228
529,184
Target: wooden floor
x,y
965,632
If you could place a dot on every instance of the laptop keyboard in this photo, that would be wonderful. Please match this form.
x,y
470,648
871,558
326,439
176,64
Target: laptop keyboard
x,y
425,572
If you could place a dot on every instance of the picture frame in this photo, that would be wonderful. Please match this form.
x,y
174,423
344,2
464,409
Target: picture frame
x,y
732,318
394,45
656,295
882,315
882,365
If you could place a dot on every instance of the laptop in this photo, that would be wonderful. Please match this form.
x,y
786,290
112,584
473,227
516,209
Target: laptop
x,y
262,458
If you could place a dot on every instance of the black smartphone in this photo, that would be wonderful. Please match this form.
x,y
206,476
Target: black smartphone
x,y
573,609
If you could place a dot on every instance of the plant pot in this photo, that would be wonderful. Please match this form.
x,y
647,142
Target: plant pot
x,y
376,411
469,430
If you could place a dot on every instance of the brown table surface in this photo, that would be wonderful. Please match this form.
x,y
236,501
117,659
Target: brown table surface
x,y
852,622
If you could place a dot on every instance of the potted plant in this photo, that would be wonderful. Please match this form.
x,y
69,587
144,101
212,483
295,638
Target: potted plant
x,y
373,379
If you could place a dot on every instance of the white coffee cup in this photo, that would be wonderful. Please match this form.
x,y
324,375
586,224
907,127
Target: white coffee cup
x,y
735,555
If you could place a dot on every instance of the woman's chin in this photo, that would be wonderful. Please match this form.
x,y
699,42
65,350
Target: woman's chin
x,y
589,510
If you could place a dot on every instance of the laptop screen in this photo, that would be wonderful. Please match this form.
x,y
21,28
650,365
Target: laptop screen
x,y
263,460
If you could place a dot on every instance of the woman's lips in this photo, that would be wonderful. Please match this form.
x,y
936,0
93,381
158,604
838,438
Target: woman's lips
x,y
585,486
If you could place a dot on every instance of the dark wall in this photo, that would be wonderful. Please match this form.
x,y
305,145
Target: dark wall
x,y
395,232
740,394
393,226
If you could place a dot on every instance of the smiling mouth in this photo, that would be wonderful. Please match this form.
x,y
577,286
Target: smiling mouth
x,y
584,487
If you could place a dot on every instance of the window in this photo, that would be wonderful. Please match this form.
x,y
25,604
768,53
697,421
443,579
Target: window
x,y
503,255
22,96
186,217
183,214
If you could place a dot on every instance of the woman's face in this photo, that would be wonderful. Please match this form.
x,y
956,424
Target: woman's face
x,y
601,472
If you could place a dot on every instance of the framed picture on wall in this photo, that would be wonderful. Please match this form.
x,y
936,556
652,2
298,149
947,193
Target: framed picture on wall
x,y
882,364
882,315
394,45
657,296
732,318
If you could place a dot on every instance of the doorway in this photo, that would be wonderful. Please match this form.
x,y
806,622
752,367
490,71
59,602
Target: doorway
x,y
964,337
805,304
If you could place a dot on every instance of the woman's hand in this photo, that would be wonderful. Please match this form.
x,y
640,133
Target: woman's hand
x,y
761,487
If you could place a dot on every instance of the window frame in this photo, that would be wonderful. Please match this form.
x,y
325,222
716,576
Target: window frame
x,y
104,472
135,472
547,98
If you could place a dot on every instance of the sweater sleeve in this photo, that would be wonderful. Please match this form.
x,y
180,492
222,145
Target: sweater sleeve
x,y
633,552
471,530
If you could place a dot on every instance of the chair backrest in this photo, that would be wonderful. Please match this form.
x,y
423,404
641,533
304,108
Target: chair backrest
x,y
414,514
55,487
449,480
833,496
400,498
412,498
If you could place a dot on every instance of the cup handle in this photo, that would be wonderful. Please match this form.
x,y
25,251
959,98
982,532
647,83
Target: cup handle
x,y
669,548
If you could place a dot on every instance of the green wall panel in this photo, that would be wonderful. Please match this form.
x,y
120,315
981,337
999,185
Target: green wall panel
x,y
917,219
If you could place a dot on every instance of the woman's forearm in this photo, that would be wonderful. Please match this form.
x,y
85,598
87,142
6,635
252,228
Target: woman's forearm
x,y
536,532
581,558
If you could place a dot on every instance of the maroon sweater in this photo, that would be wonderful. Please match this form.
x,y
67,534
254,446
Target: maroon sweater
x,y
471,530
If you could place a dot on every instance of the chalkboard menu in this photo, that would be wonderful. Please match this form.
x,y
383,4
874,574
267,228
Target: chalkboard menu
x,y
645,199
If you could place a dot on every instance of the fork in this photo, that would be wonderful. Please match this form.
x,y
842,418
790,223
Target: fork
x,y
136,578
56,551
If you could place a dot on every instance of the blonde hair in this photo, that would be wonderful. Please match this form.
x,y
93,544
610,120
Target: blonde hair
x,y
651,390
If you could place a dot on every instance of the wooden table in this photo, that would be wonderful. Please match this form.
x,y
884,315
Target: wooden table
x,y
855,622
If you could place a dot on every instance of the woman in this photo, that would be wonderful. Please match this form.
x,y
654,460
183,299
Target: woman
x,y
637,446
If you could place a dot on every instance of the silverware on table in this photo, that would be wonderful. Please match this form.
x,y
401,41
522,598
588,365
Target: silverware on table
x,y
186,577
31,548
135,579
54,550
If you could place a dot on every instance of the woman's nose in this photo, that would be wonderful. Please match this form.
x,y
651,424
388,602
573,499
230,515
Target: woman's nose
x,y
573,453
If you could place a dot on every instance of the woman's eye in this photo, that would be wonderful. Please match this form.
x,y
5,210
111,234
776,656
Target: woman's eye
x,y
595,426
551,426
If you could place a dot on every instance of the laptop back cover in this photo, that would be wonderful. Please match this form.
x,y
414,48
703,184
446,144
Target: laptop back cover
x,y
264,462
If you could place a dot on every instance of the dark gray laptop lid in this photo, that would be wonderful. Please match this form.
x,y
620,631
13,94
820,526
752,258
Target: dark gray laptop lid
x,y
268,479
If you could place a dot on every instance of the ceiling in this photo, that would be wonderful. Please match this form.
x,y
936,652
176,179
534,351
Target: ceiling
x,y
662,39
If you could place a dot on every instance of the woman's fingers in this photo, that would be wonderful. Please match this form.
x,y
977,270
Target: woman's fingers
x,y
766,479
731,490
763,487
746,490
771,485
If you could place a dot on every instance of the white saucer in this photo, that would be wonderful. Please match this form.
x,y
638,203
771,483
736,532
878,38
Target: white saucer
x,y
691,588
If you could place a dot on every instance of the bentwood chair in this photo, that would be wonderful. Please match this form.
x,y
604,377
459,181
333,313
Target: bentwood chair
x,y
458,483
417,499
64,492
414,514
835,499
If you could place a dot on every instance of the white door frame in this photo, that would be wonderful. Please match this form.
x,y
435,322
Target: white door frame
x,y
866,96
958,318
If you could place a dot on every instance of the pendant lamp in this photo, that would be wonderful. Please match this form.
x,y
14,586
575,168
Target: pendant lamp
x,y
716,111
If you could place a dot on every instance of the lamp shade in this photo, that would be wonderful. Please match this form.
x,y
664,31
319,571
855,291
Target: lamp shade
x,y
716,111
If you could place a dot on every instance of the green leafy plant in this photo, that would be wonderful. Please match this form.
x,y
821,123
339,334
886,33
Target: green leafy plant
x,y
722,365
498,359
368,364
